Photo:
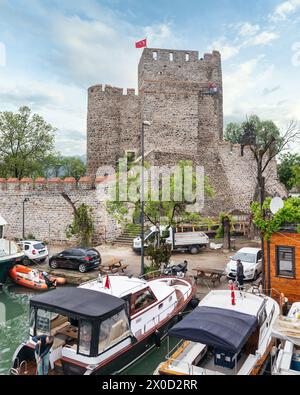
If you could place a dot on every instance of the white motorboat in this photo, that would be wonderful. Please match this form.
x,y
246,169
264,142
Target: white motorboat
x,y
219,338
287,330
104,326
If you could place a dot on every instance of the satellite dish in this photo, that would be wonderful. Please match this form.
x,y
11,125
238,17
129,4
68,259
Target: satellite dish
x,y
276,204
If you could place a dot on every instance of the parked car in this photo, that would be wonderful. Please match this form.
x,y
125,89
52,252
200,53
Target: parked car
x,y
251,259
82,259
34,250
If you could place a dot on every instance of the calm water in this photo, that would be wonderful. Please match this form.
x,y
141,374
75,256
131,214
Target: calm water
x,y
14,329
13,323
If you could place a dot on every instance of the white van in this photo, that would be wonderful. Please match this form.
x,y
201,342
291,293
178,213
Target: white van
x,y
181,238
251,259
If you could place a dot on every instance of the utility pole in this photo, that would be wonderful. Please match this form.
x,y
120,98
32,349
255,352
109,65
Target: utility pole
x,y
145,123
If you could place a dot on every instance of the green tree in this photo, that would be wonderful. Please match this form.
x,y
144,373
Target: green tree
x,y
25,140
286,168
56,165
269,223
73,166
266,142
234,133
296,176
82,226
158,211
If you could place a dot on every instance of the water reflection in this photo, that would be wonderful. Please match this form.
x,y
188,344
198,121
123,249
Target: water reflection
x,y
13,323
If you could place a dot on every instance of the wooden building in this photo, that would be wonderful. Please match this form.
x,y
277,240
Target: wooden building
x,y
282,263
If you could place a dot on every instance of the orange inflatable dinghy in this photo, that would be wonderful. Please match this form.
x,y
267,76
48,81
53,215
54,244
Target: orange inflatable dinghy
x,y
32,278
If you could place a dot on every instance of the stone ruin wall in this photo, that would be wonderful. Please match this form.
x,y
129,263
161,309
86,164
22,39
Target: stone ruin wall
x,y
169,97
113,125
186,123
47,214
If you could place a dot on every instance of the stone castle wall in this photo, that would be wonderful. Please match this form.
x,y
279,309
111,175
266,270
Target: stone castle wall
x,y
186,123
47,214
170,96
113,125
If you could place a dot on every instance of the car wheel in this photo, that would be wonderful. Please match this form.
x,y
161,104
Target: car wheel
x,y
53,264
194,250
26,261
82,268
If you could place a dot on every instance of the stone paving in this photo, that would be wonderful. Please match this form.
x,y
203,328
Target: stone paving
x,y
214,259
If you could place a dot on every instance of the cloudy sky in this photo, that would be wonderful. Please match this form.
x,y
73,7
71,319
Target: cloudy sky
x,y
51,51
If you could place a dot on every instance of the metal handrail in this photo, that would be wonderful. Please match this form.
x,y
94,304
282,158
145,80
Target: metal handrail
x,y
161,312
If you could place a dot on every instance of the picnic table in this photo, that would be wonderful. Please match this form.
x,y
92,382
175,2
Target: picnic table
x,y
113,266
213,275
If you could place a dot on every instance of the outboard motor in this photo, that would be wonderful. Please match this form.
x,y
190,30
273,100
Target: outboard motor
x,y
176,270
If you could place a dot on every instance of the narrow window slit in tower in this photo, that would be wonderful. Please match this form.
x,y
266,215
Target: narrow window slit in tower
x,y
155,55
187,57
171,56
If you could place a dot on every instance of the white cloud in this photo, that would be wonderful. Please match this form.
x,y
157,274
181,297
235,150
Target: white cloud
x,y
227,50
230,49
285,9
62,105
247,29
263,38
244,85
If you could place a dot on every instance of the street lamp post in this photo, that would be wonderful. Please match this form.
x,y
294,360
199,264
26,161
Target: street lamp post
x,y
145,123
24,201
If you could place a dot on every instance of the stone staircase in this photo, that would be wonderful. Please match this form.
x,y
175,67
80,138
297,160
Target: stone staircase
x,y
130,232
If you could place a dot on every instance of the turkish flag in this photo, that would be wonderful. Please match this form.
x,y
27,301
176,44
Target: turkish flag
x,y
107,283
141,44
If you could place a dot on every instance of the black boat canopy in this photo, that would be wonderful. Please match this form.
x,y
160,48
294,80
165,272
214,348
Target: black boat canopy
x,y
78,303
223,329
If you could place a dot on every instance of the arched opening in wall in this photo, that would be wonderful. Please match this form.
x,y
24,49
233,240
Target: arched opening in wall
x,y
187,57
154,54
171,56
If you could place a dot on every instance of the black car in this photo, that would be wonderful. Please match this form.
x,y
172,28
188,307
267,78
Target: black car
x,y
82,259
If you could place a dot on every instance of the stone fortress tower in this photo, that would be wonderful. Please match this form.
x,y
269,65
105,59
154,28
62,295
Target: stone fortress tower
x,y
182,96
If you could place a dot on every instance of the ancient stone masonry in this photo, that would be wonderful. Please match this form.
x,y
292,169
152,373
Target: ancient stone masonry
x,y
181,95
47,214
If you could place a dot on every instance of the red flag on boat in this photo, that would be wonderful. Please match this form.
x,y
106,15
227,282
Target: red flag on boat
x,y
107,283
141,44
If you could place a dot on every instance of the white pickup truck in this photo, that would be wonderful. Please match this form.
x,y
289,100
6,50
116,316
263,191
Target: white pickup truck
x,y
180,240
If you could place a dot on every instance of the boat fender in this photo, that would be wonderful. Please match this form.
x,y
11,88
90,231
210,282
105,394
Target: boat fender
x,y
194,303
157,338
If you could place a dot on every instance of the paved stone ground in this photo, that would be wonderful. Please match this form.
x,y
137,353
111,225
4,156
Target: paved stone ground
x,y
215,259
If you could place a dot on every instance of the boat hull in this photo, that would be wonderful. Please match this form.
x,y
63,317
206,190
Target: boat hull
x,y
122,361
21,275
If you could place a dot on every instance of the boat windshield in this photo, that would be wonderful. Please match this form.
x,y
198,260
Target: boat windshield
x,y
113,330
245,257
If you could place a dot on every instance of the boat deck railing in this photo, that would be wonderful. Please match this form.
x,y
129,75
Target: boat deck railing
x,y
162,314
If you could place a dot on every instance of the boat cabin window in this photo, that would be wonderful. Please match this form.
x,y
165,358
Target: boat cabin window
x,y
141,300
43,320
85,337
113,330
262,317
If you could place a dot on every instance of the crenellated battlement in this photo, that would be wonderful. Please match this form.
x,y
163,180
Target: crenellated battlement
x,y
51,185
182,56
100,89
